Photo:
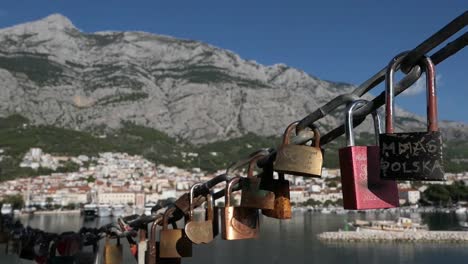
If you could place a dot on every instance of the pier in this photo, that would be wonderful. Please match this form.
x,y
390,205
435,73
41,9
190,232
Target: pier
x,y
395,236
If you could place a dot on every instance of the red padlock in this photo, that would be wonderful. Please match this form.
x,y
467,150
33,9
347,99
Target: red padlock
x,y
362,186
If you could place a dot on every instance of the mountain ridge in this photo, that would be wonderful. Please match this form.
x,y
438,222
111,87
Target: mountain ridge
x,y
55,74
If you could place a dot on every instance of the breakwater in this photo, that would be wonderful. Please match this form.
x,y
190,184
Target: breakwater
x,y
395,236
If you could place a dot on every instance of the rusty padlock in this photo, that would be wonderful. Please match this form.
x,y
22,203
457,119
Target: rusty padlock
x,y
173,242
238,222
280,187
413,155
199,232
153,248
252,195
113,254
361,184
299,160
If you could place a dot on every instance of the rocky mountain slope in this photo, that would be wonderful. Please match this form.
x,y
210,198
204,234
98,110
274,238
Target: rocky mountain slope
x,y
52,73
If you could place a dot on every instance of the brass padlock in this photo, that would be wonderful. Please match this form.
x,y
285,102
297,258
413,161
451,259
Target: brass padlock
x,y
113,254
199,231
173,242
299,160
280,187
238,222
153,248
252,195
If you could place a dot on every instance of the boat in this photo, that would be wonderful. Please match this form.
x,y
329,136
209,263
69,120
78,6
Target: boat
x,y
325,211
401,224
90,210
118,210
7,209
460,210
104,210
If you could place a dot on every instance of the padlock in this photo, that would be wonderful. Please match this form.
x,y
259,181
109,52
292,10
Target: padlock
x,y
173,242
152,255
252,195
361,184
413,156
238,222
113,254
299,160
199,232
280,187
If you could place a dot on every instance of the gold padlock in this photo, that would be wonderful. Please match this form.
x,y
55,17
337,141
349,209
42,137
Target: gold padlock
x,y
238,222
199,231
152,253
113,254
299,160
173,242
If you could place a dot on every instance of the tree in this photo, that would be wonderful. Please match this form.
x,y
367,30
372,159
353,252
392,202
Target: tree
x,y
49,201
16,201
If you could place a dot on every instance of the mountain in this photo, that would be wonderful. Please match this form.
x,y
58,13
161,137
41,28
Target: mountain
x,y
54,74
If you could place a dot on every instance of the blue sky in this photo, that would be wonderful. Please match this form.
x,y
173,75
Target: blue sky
x,y
345,41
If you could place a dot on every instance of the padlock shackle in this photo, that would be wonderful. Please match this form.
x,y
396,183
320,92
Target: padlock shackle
x,y
168,212
253,163
227,193
192,190
292,126
431,96
240,163
349,122
209,205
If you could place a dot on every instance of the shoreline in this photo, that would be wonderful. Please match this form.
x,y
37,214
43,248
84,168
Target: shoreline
x,y
395,236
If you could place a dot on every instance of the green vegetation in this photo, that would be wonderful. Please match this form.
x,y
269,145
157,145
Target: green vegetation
x,y
121,98
17,136
446,194
207,74
16,201
38,68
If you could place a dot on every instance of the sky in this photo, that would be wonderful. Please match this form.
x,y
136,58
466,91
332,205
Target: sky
x,y
343,41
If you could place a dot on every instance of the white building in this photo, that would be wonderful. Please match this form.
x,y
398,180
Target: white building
x,y
116,198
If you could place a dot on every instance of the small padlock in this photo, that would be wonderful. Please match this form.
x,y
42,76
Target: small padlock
x,y
299,160
415,155
361,184
113,254
252,195
280,187
173,242
199,232
154,246
238,222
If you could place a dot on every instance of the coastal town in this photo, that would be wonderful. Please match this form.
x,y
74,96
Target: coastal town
x,y
131,180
